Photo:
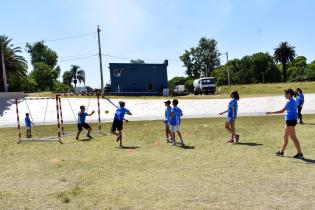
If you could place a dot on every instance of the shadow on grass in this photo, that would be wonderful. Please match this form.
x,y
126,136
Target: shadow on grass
x,y
249,144
308,161
185,146
128,147
309,124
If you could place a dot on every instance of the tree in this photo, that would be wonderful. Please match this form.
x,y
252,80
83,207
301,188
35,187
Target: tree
x,y
45,76
75,75
16,65
177,81
137,61
67,78
297,69
41,53
201,60
283,54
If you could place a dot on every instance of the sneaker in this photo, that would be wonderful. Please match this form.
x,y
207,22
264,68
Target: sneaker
x,y
167,141
237,138
182,144
120,145
230,141
298,156
174,143
279,153
77,138
89,136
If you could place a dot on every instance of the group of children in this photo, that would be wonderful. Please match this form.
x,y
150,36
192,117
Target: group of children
x,y
173,116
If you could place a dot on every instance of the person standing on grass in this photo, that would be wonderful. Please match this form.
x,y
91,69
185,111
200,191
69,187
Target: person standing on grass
x,y
291,121
28,124
118,121
232,115
82,124
176,114
300,103
167,120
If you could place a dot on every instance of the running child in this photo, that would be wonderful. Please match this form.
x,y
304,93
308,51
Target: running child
x,y
300,103
231,117
291,121
118,121
167,120
82,124
176,114
28,124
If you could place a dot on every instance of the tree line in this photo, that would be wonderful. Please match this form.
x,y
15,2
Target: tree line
x,y
45,69
282,66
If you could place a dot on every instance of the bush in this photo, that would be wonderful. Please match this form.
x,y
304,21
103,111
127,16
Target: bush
x,y
60,87
189,85
23,84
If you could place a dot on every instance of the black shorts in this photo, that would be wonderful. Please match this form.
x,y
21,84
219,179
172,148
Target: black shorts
x,y
117,125
291,123
83,125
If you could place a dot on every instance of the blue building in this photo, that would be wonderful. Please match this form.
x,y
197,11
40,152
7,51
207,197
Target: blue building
x,y
138,79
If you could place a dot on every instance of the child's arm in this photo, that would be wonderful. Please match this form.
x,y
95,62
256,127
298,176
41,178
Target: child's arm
x,y
222,113
172,116
129,113
277,112
91,113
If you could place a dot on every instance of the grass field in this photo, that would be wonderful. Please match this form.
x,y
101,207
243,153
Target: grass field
x,y
213,175
256,90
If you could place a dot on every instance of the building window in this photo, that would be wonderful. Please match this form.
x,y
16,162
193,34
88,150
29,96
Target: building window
x,y
150,87
117,72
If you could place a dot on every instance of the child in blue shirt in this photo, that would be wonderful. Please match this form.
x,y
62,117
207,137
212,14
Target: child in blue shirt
x,y
167,120
118,121
231,117
82,124
291,121
300,103
176,114
28,124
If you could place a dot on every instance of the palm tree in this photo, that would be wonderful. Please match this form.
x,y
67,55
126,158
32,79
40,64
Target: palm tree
x,y
78,75
283,54
15,65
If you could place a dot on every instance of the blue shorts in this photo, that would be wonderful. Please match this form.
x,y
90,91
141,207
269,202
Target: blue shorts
x,y
230,120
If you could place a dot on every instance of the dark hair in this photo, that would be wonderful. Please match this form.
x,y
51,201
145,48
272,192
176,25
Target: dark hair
x,y
289,92
82,107
175,101
27,114
235,95
122,103
299,90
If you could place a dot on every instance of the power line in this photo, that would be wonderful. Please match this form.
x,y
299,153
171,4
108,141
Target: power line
x,y
61,39
146,59
78,58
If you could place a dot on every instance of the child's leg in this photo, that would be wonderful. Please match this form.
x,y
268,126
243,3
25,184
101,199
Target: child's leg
x,y
120,137
285,139
89,131
78,134
180,137
233,134
291,131
229,128
167,131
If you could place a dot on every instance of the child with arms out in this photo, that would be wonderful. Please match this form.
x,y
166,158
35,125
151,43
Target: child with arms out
x,y
118,121
232,115
82,124
291,120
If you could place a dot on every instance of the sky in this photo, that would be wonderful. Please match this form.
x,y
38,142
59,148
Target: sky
x,y
155,30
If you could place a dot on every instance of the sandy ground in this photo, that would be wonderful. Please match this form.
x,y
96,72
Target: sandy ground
x,y
141,109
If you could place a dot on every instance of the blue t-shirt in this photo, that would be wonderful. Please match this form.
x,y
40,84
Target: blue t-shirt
x,y
120,113
233,113
177,115
82,117
28,122
168,114
291,108
300,99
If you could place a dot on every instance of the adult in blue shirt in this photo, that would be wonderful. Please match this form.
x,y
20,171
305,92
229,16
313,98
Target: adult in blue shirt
x,y
82,124
291,121
231,117
300,103
119,118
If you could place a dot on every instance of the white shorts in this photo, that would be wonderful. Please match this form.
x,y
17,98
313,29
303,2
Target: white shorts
x,y
175,128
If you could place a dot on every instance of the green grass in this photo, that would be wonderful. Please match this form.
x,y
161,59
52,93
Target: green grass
x,y
214,175
256,90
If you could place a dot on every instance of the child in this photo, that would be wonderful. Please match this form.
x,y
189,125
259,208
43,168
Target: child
x,y
118,121
28,124
167,120
291,121
232,115
82,124
300,103
176,114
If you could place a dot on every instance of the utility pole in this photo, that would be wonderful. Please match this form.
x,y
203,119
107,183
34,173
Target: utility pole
x,y
4,73
100,59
